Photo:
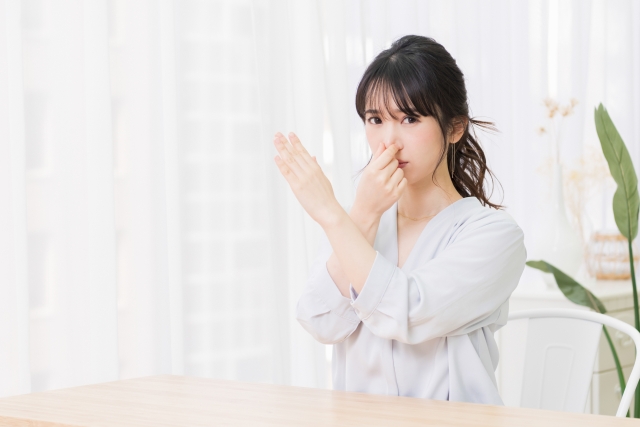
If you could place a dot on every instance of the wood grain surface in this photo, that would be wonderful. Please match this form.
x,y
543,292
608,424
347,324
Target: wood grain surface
x,y
189,401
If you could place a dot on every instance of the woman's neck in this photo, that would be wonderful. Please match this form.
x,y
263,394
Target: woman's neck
x,y
427,199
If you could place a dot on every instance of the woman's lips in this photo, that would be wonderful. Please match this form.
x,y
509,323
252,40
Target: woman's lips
x,y
402,164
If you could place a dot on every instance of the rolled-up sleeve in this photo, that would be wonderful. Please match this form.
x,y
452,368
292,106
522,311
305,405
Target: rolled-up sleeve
x,y
321,309
461,289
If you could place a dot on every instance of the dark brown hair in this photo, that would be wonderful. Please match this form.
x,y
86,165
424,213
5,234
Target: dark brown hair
x,y
424,79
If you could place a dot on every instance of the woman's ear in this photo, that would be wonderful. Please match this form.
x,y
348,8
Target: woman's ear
x,y
458,126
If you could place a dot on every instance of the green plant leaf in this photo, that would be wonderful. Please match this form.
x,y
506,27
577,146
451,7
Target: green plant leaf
x,y
573,290
626,202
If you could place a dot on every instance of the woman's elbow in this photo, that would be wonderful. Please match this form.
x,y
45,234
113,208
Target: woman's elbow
x,y
327,327
326,333
322,323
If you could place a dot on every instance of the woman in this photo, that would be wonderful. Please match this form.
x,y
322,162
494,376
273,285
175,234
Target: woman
x,y
416,279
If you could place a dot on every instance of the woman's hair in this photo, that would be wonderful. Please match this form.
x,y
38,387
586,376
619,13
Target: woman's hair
x,y
423,79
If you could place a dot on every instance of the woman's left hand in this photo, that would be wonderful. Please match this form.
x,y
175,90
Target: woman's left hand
x,y
306,179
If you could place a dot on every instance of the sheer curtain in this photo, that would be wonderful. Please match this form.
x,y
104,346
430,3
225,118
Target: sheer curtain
x,y
144,228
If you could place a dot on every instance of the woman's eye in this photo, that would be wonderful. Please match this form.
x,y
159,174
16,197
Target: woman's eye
x,y
410,119
374,120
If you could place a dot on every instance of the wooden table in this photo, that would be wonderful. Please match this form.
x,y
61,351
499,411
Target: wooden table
x,y
189,401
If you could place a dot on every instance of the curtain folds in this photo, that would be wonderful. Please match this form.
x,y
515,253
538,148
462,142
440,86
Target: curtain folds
x,y
14,304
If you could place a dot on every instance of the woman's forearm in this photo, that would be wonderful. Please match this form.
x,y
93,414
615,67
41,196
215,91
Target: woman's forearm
x,y
351,248
368,226
382,185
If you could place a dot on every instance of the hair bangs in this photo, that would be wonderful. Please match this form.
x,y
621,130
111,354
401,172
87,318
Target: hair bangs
x,y
398,81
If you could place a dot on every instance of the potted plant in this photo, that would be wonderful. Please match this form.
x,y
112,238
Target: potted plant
x,y
626,205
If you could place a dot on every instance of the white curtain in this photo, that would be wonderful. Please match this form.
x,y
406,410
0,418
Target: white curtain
x,y
144,228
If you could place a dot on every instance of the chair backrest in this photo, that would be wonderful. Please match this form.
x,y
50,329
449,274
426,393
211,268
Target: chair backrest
x,y
560,347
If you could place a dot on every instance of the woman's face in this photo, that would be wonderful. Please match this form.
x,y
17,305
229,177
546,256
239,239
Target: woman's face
x,y
418,138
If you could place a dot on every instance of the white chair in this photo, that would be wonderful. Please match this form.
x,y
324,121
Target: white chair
x,y
560,347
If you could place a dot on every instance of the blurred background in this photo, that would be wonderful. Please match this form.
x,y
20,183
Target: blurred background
x,y
144,227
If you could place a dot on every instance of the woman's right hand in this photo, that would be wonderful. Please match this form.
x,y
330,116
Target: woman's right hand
x,y
381,184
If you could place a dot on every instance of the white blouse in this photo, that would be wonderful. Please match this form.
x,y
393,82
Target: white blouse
x,y
426,329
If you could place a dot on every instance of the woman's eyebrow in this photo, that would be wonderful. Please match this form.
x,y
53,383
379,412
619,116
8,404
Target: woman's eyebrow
x,y
395,111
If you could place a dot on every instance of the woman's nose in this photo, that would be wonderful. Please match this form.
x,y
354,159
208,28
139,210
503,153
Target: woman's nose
x,y
392,136
391,140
